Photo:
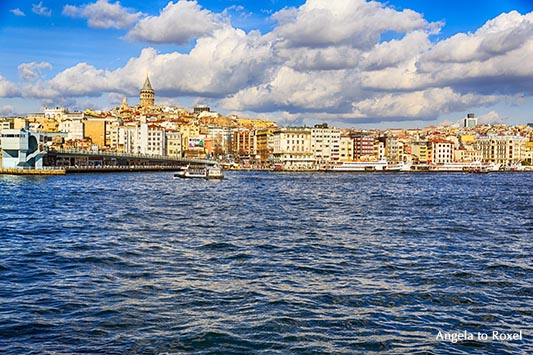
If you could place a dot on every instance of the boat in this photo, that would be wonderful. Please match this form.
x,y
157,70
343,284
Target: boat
x,y
478,170
367,166
200,172
457,167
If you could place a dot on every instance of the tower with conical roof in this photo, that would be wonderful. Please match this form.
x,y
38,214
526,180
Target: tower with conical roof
x,y
147,96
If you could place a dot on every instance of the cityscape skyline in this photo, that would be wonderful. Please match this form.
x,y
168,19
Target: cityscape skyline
x,y
350,63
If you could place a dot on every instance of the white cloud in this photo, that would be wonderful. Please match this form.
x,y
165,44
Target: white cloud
x,y
422,104
33,70
322,23
496,58
177,23
41,10
81,80
324,60
8,89
103,14
491,118
6,110
17,12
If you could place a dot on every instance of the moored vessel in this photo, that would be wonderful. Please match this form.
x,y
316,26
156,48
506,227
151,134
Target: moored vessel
x,y
367,166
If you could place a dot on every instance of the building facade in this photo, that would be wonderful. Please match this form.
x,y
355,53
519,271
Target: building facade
x,y
292,149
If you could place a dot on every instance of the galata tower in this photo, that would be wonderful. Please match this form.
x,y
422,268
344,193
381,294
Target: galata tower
x,y
147,96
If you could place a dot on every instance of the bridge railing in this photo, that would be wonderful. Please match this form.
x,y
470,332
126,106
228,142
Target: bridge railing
x,y
130,156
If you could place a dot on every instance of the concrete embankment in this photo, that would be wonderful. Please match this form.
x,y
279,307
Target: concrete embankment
x,y
32,171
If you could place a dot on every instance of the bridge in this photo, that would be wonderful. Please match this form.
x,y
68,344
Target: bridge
x,y
75,160
24,150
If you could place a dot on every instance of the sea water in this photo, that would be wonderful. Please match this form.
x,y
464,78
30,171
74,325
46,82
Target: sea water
x,y
266,263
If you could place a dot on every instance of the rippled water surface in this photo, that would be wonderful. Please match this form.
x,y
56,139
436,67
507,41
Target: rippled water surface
x,y
264,263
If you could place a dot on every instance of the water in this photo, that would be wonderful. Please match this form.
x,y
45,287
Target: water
x,y
264,263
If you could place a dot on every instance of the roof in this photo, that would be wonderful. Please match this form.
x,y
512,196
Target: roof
x,y
147,85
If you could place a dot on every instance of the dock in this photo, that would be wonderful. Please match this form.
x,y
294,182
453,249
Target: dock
x,y
48,171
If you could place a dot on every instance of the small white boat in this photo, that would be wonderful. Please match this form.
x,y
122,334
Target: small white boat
x,y
200,172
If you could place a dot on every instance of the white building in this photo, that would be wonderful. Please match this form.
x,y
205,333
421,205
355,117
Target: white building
x,y
441,151
73,127
151,140
325,144
292,149
57,113
140,138
21,149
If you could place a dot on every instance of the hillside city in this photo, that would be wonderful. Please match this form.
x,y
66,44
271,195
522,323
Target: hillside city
x,y
150,129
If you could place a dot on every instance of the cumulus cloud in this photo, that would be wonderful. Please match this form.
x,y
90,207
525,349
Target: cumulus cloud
x,y
177,23
41,10
322,23
8,89
418,104
17,12
103,14
33,70
490,118
6,110
493,59
323,60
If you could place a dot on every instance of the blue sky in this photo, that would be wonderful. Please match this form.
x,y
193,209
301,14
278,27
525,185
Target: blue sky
x,y
400,63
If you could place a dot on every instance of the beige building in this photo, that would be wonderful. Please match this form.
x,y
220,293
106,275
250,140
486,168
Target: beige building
x,y
325,144
174,147
292,149
500,149
346,148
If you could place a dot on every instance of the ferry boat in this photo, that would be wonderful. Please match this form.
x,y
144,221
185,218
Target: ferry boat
x,y
367,166
473,166
200,172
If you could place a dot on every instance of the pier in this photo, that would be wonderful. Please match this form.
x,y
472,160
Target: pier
x,y
45,171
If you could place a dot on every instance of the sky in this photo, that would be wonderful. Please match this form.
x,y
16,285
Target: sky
x,y
350,63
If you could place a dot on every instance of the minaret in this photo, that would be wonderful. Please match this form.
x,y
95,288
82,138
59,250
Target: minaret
x,y
147,96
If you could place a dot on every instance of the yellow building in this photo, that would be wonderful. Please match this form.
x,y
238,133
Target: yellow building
x,y
95,129
20,123
467,139
174,144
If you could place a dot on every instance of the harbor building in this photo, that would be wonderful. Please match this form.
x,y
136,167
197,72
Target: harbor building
x,y
292,149
22,149
325,143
